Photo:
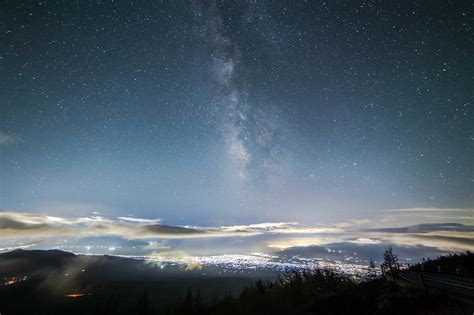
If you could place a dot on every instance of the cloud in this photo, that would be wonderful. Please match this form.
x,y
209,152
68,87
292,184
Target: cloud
x,y
458,241
193,266
21,225
281,228
364,240
270,235
302,242
428,227
354,223
444,236
15,247
266,226
190,262
160,229
414,216
139,220
157,245
431,215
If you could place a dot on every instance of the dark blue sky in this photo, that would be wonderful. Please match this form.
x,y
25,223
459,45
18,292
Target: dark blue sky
x,y
235,112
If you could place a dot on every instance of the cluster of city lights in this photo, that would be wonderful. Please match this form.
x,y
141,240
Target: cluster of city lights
x,y
259,262
13,280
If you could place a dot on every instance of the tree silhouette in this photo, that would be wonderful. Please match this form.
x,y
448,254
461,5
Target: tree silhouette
x,y
372,270
144,306
197,305
188,302
390,259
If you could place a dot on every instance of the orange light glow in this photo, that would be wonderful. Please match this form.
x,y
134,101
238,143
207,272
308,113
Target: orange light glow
x,y
76,295
13,280
9,282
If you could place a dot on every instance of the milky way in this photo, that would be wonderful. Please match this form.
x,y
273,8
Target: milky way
x,y
249,128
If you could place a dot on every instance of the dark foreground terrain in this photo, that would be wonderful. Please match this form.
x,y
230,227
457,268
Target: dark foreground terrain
x,y
55,282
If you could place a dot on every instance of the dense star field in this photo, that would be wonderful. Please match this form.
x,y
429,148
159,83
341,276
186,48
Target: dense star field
x,y
184,128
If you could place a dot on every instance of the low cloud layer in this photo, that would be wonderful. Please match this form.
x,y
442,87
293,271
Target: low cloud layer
x,y
426,228
266,236
31,225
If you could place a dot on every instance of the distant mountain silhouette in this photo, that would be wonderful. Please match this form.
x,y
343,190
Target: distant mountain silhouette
x,y
428,227
25,261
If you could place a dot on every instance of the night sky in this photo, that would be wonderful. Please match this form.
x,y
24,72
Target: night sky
x,y
220,114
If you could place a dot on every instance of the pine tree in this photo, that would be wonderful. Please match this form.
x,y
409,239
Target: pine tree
x,y
372,270
188,302
197,302
144,306
390,259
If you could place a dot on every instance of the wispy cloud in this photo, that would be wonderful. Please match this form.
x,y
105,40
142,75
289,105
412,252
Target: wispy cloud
x,y
364,240
272,235
428,227
22,224
444,236
282,228
283,244
414,216
139,220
